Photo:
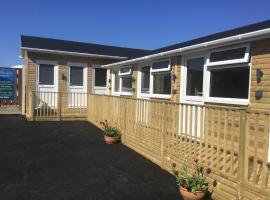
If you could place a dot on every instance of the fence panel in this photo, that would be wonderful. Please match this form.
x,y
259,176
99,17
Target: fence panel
x,y
233,142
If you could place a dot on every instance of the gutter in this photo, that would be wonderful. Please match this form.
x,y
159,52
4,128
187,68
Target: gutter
x,y
236,38
70,53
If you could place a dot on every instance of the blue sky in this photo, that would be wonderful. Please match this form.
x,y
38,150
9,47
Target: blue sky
x,y
145,24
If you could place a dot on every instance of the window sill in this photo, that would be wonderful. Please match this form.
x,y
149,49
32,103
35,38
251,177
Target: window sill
x,y
158,96
122,94
227,101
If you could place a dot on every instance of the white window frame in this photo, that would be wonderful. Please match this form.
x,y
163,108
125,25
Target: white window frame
x,y
125,73
47,62
237,101
245,59
84,65
94,66
120,84
151,94
206,77
183,88
162,69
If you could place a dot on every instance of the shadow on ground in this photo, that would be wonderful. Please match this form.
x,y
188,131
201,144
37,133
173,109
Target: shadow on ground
x,y
69,161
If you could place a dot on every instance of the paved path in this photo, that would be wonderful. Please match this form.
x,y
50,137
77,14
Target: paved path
x,y
69,161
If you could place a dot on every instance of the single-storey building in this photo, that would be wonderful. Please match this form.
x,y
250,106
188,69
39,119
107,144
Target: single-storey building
x,y
216,90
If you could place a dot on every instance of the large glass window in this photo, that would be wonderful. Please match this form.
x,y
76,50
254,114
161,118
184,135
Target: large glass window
x,y
230,82
195,77
162,83
100,77
76,76
145,79
46,74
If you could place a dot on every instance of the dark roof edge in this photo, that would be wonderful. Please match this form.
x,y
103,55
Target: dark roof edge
x,y
83,43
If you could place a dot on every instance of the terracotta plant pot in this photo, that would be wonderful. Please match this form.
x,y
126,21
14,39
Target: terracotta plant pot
x,y
111,140
190,195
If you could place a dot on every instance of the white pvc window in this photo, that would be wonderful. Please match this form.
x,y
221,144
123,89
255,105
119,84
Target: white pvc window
x,y
46,74
122,81
155,80
229,55
223,78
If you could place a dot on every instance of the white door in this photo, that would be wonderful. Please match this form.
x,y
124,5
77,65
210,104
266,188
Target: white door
x,y
192,90
100,76
47,83
77,85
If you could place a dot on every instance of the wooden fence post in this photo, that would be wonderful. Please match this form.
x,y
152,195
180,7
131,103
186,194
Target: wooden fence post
x,y
242,152
163,134
59,106
32,100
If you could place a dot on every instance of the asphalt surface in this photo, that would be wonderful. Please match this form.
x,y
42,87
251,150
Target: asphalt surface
x,y
70,161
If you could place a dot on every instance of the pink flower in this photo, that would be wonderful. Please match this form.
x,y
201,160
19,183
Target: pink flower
x,y
208,171
174,165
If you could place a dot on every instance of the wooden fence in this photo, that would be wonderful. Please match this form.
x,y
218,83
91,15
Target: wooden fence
x,y
233,142
56,106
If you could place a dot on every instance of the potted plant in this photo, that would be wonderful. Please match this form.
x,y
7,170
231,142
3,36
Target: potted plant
x,y
111,133
192,186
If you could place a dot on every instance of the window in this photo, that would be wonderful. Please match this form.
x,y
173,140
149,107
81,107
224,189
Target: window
x,y
145,79
126,84
195,77
125,70
123,81
162,83
155,80
229,55
223,78
46,74
161,66
100,77
76,76
230,82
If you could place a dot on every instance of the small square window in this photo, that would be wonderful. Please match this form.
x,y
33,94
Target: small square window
x,y
76,76
46,74
100,77
162,83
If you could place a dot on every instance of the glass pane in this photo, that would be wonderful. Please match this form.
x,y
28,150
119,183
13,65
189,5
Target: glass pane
x,y
162,83
125,70
126,83
76,76
46,74
161,65
145,80
100,77
116,81
230,83
228,54
195,77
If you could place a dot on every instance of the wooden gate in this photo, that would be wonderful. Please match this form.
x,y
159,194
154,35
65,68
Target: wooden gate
x,y
10,90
